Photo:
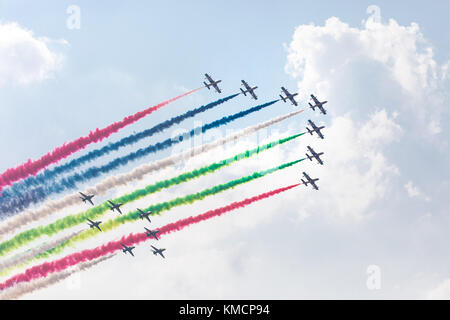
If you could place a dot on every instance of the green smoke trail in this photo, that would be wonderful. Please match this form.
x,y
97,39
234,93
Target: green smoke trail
x,y
164,206
97,211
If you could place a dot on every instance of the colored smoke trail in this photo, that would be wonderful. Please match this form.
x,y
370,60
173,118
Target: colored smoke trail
x,y
17,189
31,167
43,192
46,268
25,256
41,283
69,221
138,173
164,206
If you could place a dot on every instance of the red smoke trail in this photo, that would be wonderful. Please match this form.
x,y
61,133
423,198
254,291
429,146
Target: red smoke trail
x,y
46,268
31,167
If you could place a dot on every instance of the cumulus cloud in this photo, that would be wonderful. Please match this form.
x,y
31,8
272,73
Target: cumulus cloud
x,y
356,172
441,292
414,191
398,49
385,65
378,66
25,57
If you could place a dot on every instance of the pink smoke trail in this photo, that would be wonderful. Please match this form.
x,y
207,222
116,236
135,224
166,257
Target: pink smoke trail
x,y
31,167
46,268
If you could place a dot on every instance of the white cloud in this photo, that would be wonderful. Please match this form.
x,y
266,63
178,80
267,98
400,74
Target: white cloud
x,y
316,50
445,71
414,192
355,173
358,68
441,292
380,129
25,58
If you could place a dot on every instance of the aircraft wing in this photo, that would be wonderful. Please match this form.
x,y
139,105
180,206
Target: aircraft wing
x,y
245,84
97,226
90,200
124,246
153,248
131,252
313,125
253,95
118,209
82,194
208,77
315,99
307,176
216,87
90,221
322,109
162,254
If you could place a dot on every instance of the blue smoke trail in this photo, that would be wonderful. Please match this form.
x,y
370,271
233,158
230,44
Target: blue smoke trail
x,y
19,188
41,193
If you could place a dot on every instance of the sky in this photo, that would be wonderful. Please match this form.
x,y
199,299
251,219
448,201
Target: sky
x,y
382,208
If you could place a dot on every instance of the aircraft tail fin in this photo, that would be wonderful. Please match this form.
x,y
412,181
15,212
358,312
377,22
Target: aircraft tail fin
x,y
312,107
243,92
309,157
304,182
206,85
282,98
310,132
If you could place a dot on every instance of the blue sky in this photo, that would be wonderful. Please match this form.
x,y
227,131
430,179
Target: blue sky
x,y
383,200
159,45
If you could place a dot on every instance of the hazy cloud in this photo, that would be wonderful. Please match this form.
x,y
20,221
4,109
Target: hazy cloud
x,y
25,58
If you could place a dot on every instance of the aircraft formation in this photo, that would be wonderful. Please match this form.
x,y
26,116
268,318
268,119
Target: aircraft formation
x,y
247,89
291,98
149,233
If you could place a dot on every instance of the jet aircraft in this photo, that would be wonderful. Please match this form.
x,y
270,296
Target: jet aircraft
x,y
212,83
288,96
249,90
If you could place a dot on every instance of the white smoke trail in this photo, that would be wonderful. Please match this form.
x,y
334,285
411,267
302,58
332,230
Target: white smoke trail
x,y
25,256
138,173
24,288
